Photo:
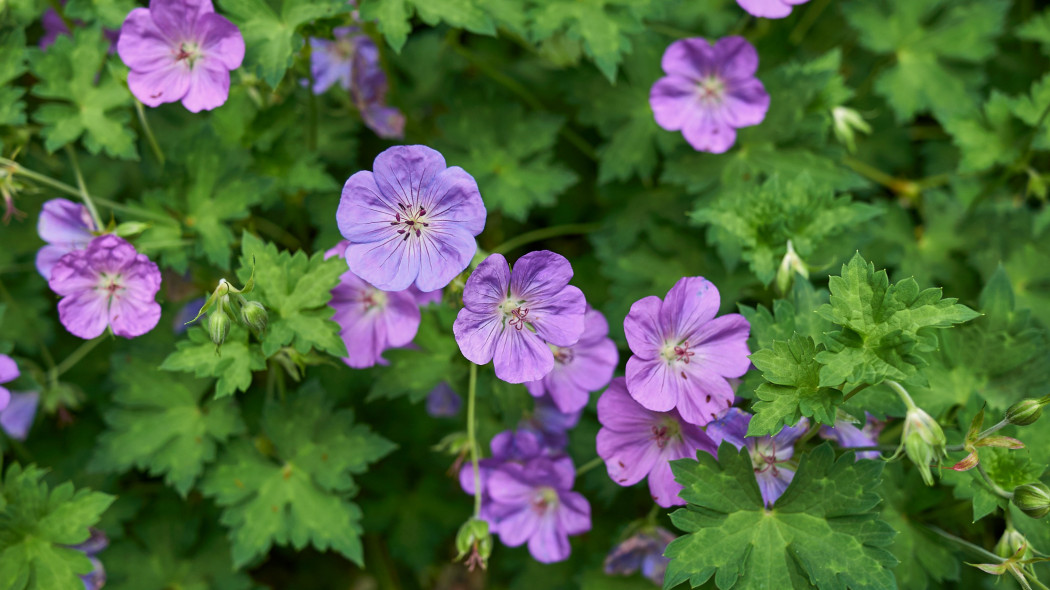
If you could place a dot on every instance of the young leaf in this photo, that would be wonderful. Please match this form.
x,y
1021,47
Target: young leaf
x,y
36,525
295,290
885,328
270,38
824,532
793,389
92,102
160,425
298,494
232,365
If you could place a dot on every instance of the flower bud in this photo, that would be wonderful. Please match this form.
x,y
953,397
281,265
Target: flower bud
x,y
474,539
1033,499
791,264
924,441
845,122
218,326
1009,543
1024,412
253,314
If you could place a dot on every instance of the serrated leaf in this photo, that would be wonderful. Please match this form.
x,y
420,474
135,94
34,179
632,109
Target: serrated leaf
x,y
300,494
295,290
793,389
1008,468
509,155
93,102
271,38
159,424
477,16
795,313
922,35
36,524
232,364
12,65
110,13
988,137
1037,29
885,328
824,532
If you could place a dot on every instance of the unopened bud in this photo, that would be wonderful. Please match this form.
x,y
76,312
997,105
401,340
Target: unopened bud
x,y
1033,499
253,314
790,265
1024,412
1009,543
845,122
473,539
218,326
924,441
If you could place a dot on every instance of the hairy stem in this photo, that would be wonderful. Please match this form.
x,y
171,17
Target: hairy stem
x,y
81,189
472,437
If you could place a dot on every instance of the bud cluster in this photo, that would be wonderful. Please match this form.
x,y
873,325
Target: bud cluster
x,y
227,302
474,542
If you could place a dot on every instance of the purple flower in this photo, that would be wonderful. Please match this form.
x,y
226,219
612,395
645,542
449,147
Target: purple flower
x,y
581,368
425,299
411,221
65,226
8,372
635,442
768,453
550,424
642,551
534,503
107,284
512,318
352,61
443,402
509,446
17,417
847,435
683,354
371,320
769,8
709,92
96,578
180,50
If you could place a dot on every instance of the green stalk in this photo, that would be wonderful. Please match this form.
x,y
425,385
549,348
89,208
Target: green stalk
x,y
82,190
149,132
545,233
472,437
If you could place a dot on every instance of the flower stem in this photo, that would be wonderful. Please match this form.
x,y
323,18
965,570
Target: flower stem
x,y
70,361
984,553
589,465
472,437
991,484
545,233
855,391
149,132
81,189
903,393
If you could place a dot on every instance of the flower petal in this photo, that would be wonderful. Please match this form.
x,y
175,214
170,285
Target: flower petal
x,y
645,335
388,265
654,384
721,346
453,196
17,417
486,288
8,369
476,335
673,100
142,45
209,86
84,313
549,543
403,171
691,58
521,356
158,86
691,303
737,58
662,485
443,253
220,41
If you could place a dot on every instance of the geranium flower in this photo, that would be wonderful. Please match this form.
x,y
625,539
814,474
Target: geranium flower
x,y
509,446
847,435
371,320
534,503
581,368
511,318
411,221
709,92
107,284
550,424
642,551
18,416
65,226
635,442
769,8
8,372
683,354
180,50
769,454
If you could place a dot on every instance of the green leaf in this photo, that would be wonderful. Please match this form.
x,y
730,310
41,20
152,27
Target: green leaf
x,y
885,328
158,424
12,65
986,138
477,16
68,71
1037,29
796,313
509,155
824,532
759,220
1032,110
434,348
924,558
295,290
793,389
604,27
36,524
232,364
299,491
921,36
271,39
110,13
1006,467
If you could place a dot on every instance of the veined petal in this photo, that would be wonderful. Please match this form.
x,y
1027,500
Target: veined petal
x,y
165,84
388,264
476,335
521,356
691,303
84,313
402,172
365,213
645,335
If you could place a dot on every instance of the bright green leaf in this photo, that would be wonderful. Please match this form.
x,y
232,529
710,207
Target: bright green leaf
x,y
793,389
232,364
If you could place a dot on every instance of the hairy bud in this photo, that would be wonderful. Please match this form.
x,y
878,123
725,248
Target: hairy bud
x,y
253,314
474,539
1033,499
218,326
1024,412
924,441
